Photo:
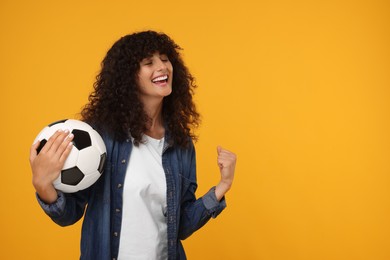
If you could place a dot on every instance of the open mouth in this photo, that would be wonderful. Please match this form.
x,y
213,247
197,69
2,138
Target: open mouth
x,y
160,79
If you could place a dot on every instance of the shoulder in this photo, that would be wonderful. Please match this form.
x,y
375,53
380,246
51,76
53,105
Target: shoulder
x,y
185,155
188,149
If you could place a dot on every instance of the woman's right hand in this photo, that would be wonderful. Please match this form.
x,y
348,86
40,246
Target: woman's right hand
x,y
46,166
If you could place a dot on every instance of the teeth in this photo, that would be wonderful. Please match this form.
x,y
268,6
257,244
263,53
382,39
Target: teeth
x,y
165,77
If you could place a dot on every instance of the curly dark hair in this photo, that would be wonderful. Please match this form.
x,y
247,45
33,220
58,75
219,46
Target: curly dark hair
x,y
114,104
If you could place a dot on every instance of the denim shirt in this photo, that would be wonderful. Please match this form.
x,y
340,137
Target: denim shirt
x,y
102,202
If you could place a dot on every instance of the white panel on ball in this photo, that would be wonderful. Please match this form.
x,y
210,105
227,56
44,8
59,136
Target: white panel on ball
x,y
84,163
72,158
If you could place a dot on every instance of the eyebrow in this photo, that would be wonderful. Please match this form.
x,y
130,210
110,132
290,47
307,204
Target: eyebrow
x,y
151,56
146,59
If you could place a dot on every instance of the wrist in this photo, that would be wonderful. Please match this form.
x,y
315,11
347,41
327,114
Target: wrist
x,y
41,185
47,193
222,188
226,184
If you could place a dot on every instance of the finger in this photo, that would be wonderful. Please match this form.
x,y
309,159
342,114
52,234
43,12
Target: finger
x,y
224,161
221,162
50,141
224,157
33,151
66,152
220,166
226,154
63,146
227,159
225,151
58,141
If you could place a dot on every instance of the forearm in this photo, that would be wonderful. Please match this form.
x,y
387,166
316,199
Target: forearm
x,y
222,188
67,209
197,213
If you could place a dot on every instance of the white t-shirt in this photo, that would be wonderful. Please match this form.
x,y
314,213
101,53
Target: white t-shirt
x,y
144,227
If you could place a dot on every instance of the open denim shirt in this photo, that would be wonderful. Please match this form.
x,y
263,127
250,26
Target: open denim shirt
x,y
103,215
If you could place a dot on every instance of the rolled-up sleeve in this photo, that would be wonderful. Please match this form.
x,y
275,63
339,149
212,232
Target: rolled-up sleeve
x,y
55,209
211,203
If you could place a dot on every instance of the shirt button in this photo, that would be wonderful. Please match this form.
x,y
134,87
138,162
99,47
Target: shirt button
x,y
115,234
117,210
123,161
119,186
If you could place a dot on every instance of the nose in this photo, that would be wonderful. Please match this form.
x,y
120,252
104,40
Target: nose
x,y
161,65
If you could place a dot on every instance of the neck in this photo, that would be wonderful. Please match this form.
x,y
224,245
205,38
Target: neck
x,y
155,126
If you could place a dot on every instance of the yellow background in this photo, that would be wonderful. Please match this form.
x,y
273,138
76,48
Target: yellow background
x,y
298,89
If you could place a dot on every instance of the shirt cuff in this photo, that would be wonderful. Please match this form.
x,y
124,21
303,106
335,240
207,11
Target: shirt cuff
x,y
54,209
211,203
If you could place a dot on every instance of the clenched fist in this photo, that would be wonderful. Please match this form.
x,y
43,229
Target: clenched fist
x,y
227,164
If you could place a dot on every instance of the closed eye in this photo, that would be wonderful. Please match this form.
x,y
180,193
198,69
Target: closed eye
x,y
164,58
147,61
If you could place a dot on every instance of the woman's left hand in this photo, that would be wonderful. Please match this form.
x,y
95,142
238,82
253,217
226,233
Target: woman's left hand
x,y
227,164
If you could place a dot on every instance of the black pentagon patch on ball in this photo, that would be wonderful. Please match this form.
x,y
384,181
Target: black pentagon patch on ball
x,y
81,139
57,122
41,145
71,176
102,161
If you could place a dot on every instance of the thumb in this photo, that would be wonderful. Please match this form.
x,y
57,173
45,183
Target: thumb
x,y
219,149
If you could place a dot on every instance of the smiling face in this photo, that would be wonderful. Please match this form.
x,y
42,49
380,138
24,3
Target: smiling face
x,y
155,77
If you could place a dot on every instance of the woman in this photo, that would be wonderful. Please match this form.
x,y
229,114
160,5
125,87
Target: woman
x,y
144,203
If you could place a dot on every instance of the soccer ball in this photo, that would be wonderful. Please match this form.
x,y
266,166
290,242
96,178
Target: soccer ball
x,y
85,162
